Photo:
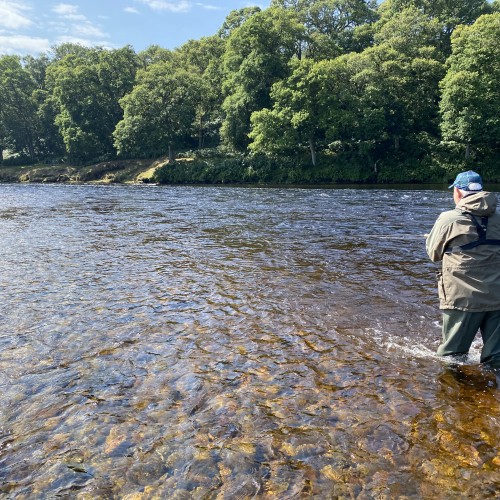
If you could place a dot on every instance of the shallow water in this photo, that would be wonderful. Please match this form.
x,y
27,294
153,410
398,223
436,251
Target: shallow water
x,y
227,343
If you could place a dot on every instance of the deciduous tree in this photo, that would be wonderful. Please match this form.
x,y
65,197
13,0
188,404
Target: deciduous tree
x,y
18,110
331,26
470,104
86,89
256,57
159,112
204,57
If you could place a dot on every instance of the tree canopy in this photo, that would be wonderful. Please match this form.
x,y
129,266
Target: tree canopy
x,y
470,106
402,89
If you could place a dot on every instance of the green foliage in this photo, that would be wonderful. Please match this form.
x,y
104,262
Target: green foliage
x,y
332,27
307,91
159,112
454,12
256,56
85,89
235,19
409,31
204,57
152,55
19,128
293,121
267,169
451,12
470,103
361,100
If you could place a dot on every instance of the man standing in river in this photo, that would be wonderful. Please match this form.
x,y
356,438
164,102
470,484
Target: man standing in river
x,y
467,241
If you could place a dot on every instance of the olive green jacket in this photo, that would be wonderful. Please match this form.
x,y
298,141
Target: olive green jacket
x,y
469,279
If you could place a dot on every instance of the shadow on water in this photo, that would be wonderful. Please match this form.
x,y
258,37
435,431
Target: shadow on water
x,y
231,343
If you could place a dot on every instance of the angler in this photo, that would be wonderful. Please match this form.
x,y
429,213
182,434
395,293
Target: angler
x,y
467,241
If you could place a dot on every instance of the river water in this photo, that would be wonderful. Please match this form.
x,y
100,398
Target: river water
x,y
230,343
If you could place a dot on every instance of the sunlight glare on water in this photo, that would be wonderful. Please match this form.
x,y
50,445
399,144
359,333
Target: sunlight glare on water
x,y
207,342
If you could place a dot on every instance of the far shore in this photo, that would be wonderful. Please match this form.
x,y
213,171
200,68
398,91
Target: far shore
x,y
108,172
144,171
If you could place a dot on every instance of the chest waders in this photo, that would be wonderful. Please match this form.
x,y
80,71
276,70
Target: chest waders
x,y
481,232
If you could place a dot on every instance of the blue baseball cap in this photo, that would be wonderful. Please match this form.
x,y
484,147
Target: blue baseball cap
x,y
468,181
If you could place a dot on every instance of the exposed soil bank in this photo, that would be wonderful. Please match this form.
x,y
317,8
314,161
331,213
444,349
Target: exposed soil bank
x,y
117,171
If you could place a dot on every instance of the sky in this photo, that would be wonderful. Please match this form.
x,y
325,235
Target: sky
x,y
31,27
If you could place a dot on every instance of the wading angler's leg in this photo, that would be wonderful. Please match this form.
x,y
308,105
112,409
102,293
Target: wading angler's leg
x,y
490,331
459,330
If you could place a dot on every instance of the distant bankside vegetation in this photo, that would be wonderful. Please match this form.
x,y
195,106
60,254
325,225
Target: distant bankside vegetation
x,y
303,92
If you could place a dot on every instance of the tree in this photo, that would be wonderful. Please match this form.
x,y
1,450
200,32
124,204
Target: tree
x,y
52,144
59,52
386,93
18,108
256,57
85,89
159,112
235,19
331,26
321,102
294,119
204,57
451,13
410,31
153,54
411,89
409,67
470,104
37,68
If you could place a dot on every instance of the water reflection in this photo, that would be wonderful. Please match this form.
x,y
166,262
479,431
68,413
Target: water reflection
x,y
231,343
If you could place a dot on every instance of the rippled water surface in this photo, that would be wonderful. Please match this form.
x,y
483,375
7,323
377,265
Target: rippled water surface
x,y
229,343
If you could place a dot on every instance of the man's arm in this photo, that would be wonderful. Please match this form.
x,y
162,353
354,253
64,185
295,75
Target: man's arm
x,y
437,240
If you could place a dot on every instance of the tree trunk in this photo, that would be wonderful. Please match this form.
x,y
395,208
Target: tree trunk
x,y
396,143
467,151
29,144
312,147
200,133
171,156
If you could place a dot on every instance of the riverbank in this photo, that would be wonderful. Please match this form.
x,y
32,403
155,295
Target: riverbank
x,y
213,167
117,171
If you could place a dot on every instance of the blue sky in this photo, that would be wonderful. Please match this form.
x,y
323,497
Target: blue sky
x,y
34,26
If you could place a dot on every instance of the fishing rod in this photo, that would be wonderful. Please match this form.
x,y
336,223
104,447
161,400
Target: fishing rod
x,y
391,236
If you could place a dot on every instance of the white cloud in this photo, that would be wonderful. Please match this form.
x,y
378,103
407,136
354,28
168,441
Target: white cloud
x,y
68,11
179,6
88,30
57,26
78,28
12,15
22,45
83,41
131,10
208,6
65,9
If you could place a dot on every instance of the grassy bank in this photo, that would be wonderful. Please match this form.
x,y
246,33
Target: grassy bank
x,y
215,167
209,167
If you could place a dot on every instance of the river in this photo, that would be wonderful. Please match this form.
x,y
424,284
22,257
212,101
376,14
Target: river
x,y
221,342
